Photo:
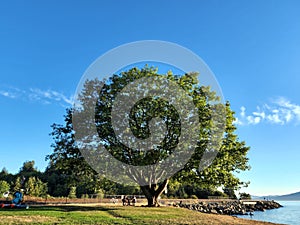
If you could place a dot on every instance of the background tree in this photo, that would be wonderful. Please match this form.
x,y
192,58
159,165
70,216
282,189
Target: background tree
x,y
35,187
18,184
28,167
6,176
4,187
29,170
245,195
57,182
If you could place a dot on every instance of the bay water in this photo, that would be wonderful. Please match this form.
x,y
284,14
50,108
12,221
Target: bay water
x,y
288,214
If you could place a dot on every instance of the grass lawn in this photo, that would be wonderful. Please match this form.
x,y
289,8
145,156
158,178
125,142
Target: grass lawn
x,y
114,215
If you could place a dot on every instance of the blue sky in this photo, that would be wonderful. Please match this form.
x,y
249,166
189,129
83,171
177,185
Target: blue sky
x,y
253,48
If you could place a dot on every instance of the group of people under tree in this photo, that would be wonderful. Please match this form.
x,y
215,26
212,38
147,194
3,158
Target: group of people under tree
x,y
127,200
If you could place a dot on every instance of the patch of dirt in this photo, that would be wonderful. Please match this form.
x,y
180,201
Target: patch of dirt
x,y
26,219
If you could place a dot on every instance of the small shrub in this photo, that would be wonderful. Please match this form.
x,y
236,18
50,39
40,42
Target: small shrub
x,y
72,193
100,194
84,196
245,196
193,197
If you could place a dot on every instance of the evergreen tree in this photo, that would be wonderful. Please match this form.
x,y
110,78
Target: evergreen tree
x,y
72,192
4,187
17,186
35,187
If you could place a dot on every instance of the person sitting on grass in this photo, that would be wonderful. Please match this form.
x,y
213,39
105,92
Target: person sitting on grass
x,y
133,200
128,200
124,199
18,197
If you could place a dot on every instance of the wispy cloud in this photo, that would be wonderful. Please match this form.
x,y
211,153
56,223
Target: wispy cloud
x,y
48,96
37,95
279,111
7,94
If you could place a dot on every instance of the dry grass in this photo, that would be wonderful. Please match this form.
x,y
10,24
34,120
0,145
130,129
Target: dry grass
x,y
171,215
27,219
112,214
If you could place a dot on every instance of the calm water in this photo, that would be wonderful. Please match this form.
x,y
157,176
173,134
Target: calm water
x,y
288,214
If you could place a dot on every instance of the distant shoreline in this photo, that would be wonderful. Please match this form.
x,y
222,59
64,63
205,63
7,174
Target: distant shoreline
x,y
287,197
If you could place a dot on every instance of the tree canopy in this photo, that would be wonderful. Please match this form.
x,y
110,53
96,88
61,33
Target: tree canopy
x,y
139,127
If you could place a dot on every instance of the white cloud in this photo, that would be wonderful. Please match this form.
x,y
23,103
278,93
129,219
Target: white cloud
x,y
238,121
280,111
7,94
260,114
49,95
253,119
289,109
289,116
274,118
243,109
37,95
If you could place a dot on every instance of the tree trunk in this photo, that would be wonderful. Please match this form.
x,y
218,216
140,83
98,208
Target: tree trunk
x,y
153,191
152,201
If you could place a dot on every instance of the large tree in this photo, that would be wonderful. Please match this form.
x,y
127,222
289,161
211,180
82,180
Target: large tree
x,y
231,153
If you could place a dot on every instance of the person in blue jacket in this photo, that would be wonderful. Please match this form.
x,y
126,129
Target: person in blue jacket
x,y
18,196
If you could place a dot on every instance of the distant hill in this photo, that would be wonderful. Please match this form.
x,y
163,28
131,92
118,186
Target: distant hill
x,y
288,197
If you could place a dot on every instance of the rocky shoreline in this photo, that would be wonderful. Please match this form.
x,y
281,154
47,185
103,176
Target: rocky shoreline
x,y
231,207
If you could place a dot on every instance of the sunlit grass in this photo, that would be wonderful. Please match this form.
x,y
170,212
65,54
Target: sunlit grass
x,y
114,215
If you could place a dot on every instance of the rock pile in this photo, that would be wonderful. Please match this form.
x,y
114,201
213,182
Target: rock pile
x,y
231,207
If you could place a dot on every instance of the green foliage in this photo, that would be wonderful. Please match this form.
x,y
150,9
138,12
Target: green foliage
x,y
17,186
66,156
84,196
100,194
230,192
140,116
6,176
57,182
245,196
35,187
72,192
186,190
28,167
4,186
231,157
193,197
67,165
